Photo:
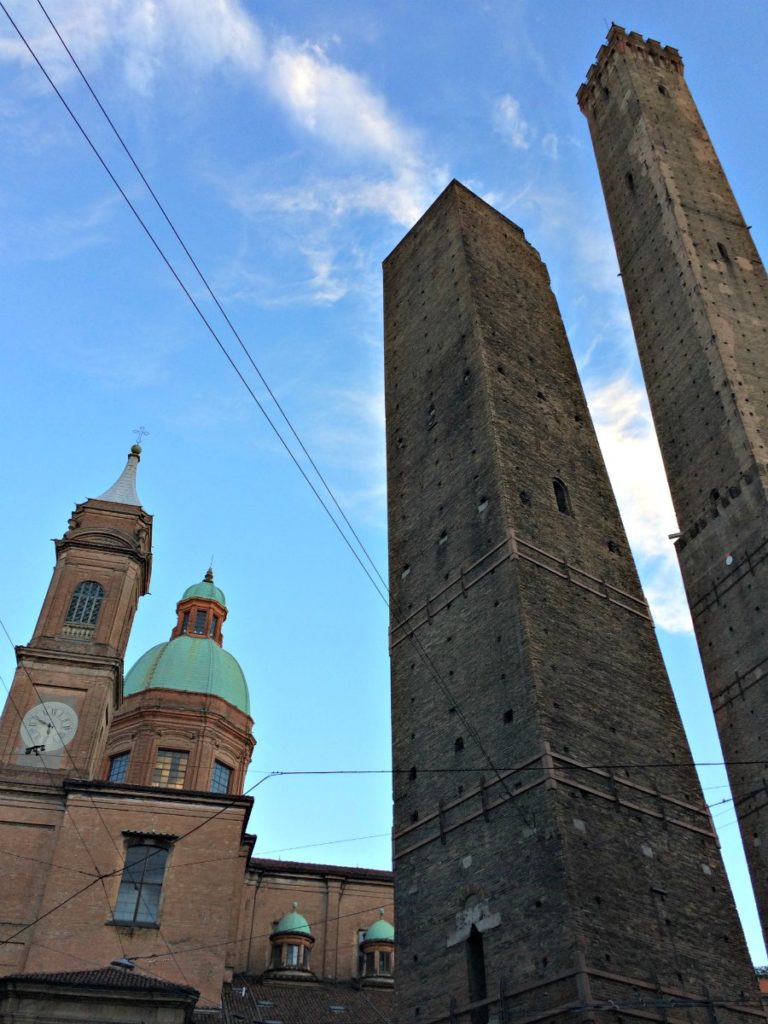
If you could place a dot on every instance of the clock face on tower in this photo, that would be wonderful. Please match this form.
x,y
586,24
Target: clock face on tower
x,y
50,725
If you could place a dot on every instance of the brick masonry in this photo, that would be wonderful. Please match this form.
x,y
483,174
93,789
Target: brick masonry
x,y
553,850
698,297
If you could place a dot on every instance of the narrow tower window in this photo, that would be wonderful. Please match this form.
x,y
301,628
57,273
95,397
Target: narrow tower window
x,y
562,498
185,623
200,623
630,180
476,975
85,603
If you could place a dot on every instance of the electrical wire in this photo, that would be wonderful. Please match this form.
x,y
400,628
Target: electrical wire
x,y
209,327
213,295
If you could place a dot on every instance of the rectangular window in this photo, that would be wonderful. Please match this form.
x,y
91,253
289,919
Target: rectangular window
x,y
385,963
291,956
370,964
360,954
221,776
185,623
118,767
214,624
200,622
138,900
170,768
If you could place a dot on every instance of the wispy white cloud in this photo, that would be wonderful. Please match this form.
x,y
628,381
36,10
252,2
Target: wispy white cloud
x,y
136,35
336,104
58,235
551,145
352,444
624,427
510,123
380,166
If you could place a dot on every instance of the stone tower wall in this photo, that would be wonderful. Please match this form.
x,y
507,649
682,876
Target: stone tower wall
x,y
698,298
550,833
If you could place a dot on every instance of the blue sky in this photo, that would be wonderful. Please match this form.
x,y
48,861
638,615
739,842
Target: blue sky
x,y
293,144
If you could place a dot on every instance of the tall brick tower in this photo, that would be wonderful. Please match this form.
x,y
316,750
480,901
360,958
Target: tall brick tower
x,y
554,858
698,298
68,680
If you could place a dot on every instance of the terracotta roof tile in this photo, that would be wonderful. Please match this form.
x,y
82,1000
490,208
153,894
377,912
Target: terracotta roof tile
x,y
250,1001
111,977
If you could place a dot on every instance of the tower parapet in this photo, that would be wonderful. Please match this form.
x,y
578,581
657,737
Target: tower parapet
x,y
620,43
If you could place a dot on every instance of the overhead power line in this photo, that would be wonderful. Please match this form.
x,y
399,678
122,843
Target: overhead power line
x,y
206,322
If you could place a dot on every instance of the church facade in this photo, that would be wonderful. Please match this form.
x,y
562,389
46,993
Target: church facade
x,y
123,830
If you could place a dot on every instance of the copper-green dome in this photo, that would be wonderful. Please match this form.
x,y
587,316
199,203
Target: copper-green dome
x,y
206,589
292,922
191,663
381,930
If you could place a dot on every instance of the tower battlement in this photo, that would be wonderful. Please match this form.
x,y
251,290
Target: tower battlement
x,y
627,44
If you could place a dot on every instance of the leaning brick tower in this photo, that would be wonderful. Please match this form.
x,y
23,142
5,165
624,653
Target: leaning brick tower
x,y
698,298
554,857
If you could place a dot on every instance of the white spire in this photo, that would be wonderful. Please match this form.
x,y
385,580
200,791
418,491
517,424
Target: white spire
x,y
123,490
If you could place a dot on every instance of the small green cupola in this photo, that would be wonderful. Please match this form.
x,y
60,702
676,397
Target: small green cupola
x,y
378,949
292,942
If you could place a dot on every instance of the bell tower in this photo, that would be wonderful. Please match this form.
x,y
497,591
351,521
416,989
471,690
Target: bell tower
x,y
68,680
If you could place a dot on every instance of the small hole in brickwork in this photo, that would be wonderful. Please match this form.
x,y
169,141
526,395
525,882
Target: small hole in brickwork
x,y
663,91
406,571
509,715
613,547
525,498
412,773
414,815
629,178
442,538
458,744
500,368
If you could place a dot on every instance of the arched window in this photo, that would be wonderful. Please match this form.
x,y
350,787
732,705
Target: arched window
x,y
85,604
562,498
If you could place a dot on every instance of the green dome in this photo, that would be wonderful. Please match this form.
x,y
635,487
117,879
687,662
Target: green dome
x,y
292,922
196,664
381,931
207,590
